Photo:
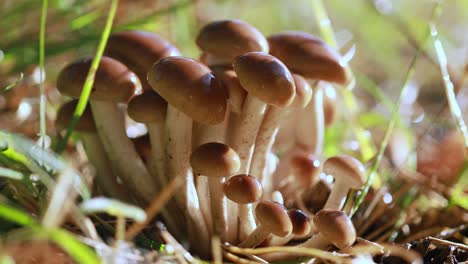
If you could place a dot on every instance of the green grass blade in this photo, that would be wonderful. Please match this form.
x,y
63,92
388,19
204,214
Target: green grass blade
x,y
11,174
42,96
114,208
77,250
85,93
16,216
12,85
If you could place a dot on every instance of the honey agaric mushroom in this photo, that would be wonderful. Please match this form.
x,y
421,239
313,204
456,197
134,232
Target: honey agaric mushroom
x,y
192,93
301,227
243,189
273,219
150,108
97,156
216,161
227,39
114,83
349,173
267,81
305,170
139,50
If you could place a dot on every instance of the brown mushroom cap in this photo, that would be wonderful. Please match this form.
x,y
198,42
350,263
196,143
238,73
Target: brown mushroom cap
x,y
274,217
300,222
347,168
65,115
303,92
243,189
336,227
308,55
214,160
139,50
113,81
147,107
236,94
306,169
228,39
190,87
266,78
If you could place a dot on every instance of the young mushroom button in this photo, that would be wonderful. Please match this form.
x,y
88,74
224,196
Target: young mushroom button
x,y
336,227
243,189
349,173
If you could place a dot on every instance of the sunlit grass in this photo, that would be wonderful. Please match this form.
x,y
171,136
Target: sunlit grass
x,y
42,95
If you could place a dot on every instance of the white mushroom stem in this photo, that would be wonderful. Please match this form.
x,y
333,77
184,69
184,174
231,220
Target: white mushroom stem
x,y
120,150
242,141
337,196
105,178
178,137
310,131
256,237
156,134
270,168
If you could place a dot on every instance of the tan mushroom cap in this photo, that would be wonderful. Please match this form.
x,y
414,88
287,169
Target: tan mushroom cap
x,y
266,78
336,227
65,115
214,159
243,189
228,39
236,94
303,92
139,50
308,55
113,81
300,222
190,87
306,169
274,217
347,168
147,107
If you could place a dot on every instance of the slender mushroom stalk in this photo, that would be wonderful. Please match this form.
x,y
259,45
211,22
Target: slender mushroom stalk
x,y
301,227
216,161
273,219
349,173
192,93
105,178
114,83
267,81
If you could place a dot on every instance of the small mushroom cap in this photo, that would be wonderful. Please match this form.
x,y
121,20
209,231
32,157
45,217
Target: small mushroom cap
x,y
189,86
139,50
274,217
306,169
308,55
65,115
214,160
113,81
336,227
147,107
236,94
300,222
243,189
347,169
266,78
303,92
228,39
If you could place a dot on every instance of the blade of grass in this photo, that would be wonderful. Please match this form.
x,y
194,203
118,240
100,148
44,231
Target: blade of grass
x,y
85,93
449,87
80,252
42,96
12,85
16,216
395,112
11,174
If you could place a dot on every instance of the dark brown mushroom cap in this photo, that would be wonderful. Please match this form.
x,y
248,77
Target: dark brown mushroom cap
x,y
190,87
347,169
147,107
300,222
139,50
243,189
113,81
228,39
306,169
274,217
336,227
236,94
266,78
308,55
303,92
214,159
65,115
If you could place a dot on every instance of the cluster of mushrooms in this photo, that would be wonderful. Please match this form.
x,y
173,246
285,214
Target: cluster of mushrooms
x,y
219,124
